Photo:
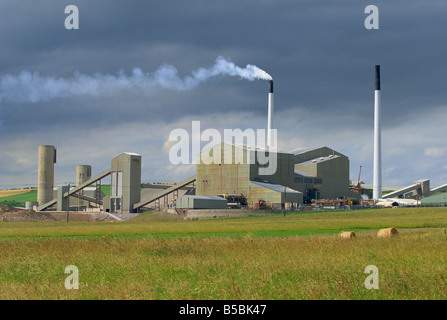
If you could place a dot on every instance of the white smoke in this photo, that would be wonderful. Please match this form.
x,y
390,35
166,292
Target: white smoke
x,y
224,67
32,87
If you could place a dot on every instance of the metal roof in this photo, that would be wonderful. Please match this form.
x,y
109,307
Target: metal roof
x,y
437,198
205,197
303,150
255,148
275,187
302,174
320,159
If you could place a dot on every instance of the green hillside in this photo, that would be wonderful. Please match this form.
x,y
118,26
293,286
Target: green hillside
x,y
20,199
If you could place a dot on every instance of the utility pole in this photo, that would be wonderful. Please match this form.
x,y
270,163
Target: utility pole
x,y
68,201
285,202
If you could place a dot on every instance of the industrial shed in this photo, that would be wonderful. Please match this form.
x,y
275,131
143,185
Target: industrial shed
x,y
437,199
275,193
201,202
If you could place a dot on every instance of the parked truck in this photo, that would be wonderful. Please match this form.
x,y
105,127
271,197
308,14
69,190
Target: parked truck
x,y
235,201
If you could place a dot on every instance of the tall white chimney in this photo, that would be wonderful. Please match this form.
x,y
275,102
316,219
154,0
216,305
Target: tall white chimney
x,y
377,178
270,116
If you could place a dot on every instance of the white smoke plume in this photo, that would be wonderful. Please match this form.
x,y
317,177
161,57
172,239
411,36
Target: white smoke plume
x,y
32,87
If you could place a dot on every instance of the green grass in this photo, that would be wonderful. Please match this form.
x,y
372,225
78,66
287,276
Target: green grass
x,y
267,257
154,225
105,189
411,266
21,199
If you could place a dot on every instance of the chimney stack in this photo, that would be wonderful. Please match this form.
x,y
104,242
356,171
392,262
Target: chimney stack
x,y
270,116
377,176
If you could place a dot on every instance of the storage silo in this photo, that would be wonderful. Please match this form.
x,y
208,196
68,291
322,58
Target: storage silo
x,y
83,173
45,173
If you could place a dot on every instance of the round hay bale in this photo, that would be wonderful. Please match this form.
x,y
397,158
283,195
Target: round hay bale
x,y
387,233
347,234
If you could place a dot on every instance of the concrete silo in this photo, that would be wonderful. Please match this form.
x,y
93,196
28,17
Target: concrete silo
x,y
83,173
45,173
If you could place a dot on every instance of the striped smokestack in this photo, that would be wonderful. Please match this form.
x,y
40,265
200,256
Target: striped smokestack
x,y
270,116
377,176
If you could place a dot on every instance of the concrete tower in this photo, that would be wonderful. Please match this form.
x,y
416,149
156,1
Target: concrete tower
x,y
83,173
125,182
377,178
45,173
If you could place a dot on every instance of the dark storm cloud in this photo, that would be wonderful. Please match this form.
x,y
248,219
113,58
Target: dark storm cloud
x,y
319,53
316,52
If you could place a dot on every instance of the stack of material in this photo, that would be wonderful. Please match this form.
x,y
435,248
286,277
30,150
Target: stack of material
x,y
387,233
347,234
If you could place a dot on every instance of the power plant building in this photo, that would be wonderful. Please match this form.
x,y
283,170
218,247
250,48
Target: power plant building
x,y
322,173
261,175
300,176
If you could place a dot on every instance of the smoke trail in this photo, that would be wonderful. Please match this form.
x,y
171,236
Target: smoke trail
x,y
32,87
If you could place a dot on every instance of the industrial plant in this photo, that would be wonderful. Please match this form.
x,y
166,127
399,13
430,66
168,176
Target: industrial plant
x,y
303,176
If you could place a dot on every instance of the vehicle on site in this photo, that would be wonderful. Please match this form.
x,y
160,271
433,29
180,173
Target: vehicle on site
x,y
234,201
261,204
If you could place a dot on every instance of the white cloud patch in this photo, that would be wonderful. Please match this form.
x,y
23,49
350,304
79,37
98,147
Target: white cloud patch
x,y
435,152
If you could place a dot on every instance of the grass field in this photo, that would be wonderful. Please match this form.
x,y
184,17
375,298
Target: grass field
x,y
18,198
273,257
13,192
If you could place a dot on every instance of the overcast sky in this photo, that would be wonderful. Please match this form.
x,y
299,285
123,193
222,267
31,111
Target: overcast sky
x,y
319,53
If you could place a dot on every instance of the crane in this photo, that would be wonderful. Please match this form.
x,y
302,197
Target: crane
x,y
357,187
